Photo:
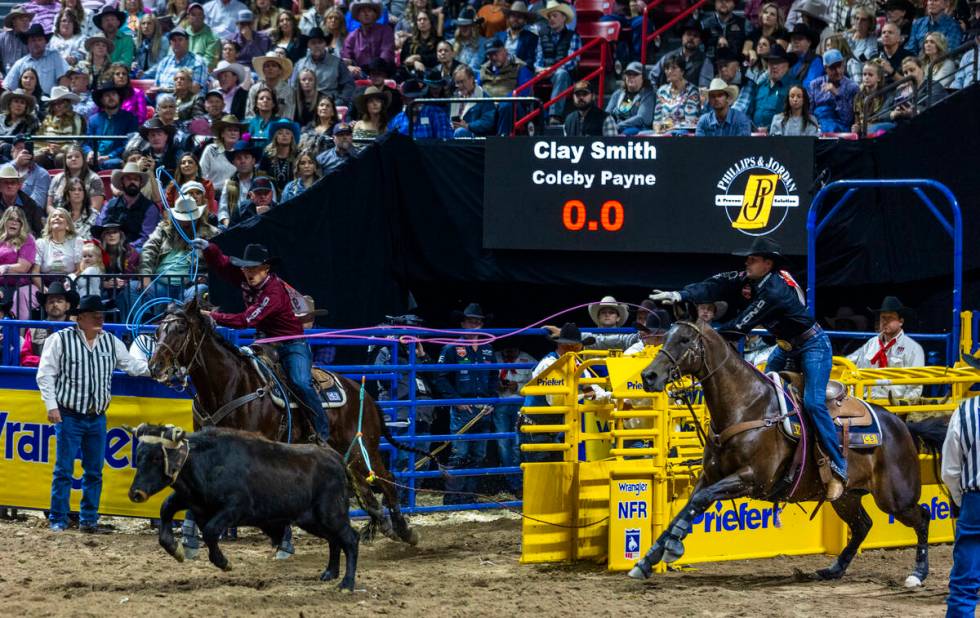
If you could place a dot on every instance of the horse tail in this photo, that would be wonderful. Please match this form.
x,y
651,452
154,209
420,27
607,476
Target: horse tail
x,y
929,436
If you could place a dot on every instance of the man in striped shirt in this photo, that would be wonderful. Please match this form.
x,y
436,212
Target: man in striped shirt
x,y
961,474
75,379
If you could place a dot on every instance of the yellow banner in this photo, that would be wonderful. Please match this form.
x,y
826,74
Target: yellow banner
x,y
624,375
27,451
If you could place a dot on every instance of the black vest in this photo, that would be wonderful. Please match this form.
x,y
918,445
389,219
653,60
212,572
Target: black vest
x,y
553,52
130,219
590,125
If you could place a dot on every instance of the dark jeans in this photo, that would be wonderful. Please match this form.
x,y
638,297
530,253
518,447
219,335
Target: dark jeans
x,y
505,419
964,578
815,358
466,453
78,434
297,360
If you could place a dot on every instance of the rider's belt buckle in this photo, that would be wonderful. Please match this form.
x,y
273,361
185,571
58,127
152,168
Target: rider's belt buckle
x,y
784,345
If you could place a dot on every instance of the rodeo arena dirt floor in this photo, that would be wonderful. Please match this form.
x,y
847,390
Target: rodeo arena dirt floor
x,y
465,565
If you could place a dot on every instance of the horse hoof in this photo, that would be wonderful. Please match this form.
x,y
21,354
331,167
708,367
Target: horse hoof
x,y
637,573
912,582
347,585
226,567
282,555
327,575
190,553
831,573
413,538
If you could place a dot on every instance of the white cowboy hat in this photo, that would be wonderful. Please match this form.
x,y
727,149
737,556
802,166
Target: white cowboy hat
x,y
60,93
720,85
9,172
186,208
561,7
609,301
230,67
284,63
131,168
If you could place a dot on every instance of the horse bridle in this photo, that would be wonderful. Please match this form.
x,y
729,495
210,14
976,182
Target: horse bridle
x,y
697,348
180,372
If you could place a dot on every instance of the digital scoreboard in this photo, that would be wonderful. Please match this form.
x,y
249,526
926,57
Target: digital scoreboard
x,y
672,195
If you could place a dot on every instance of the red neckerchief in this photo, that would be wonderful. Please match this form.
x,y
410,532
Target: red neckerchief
x,y
881,356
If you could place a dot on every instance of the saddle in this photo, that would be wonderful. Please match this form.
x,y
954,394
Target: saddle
x,y
855,420
265,361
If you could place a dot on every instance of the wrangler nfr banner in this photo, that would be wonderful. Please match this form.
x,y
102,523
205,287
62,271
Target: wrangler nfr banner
x,y
665,195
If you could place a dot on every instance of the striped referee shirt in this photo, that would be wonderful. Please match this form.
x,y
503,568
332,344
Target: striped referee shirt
x,y
961,450
76,374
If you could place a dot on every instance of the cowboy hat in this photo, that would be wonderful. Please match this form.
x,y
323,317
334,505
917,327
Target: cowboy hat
x,y
9,172
561,7
765,248
720,85
379,65
242,146
285,64
108,9
107,86
360,101
226,121
610,302
282,123
60,93
721,307
467,17
807,32
186,208
409,319
658,321
570,335
777,53
305,312
230,67
520,8
358,5
15,94
317,33
130,168
34,30
58,288
891,304
414,89
155,124
434,77
92,303
472,310
693,25
255,255
96,231
18,11
98,38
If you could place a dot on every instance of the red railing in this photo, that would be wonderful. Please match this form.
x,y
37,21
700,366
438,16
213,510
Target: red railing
x,y
670,24
602,42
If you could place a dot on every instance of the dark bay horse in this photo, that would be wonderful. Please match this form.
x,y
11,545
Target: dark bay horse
x,y
188,346
755,458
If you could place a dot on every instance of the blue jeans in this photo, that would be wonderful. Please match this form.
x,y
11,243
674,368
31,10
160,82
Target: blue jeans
x,y
87,434
466,453
505,419
560,80
964,577
816,360
297,360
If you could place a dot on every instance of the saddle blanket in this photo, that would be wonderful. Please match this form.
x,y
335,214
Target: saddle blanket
x,y
858,437
328,384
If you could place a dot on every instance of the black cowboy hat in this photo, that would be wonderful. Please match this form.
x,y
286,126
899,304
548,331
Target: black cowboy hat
x,y
414,89
657,320
409,319
433,77
108,86
763,247
693,25
804,30
155,124
243,146
777,53
255,255
34,30
92,303
96,231
58,289
380,65
108,10
472,310
570,334
317,33
891,304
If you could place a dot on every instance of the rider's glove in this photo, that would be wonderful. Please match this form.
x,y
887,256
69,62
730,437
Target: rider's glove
x,y
200,244
667,298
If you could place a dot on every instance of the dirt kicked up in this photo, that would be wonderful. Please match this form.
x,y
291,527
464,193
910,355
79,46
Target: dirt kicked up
x,y
465,565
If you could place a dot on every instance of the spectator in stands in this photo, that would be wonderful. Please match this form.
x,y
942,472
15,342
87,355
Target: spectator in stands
x,y
371,40
815,14
35,180
137,215
188,100
17,113
12,47
11,195
632,106
833,95
17,250
251,42
60,120
78,203
862,39
231,76
175,14
167,114
202,41
166,252
838,41
555,43
265,111
134,10
406,20
697,70
900,13
68,41
755,73
429,121
795,119
305,173
58,251
728,66
56,302
79,83
221,16
769,25
808,65
502,72
965,74
471,119
261,199
75,167
332,76
493,17
521,41
723,28
123,260
939,69
891,50
279,156
133,98
181,57
267,16
244,156
99,58
335,26
469,45
865,106
843,14
891,348
274,71
378,72
446,63
587,118
149,44
317,135
771,91
911,96
109,19
419,52
372,114
315,16
678,101
722,120
288,38
306,96
936,19
342,151
188,170
29,84
157,143
211,110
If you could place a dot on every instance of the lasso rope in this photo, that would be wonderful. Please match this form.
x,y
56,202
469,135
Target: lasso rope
x,y
359,438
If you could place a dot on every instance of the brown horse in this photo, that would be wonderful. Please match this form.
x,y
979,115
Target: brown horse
x,y
755,458
231,393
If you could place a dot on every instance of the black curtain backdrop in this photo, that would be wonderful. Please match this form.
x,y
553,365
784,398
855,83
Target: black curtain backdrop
x,y
402,224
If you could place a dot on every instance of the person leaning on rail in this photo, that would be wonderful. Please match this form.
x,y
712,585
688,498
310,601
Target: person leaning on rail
x,y
891,347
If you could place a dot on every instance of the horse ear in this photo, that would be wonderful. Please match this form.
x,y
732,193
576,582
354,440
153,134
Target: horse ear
x,y
191,305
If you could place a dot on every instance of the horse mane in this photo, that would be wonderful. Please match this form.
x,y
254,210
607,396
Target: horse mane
x,y
208,329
